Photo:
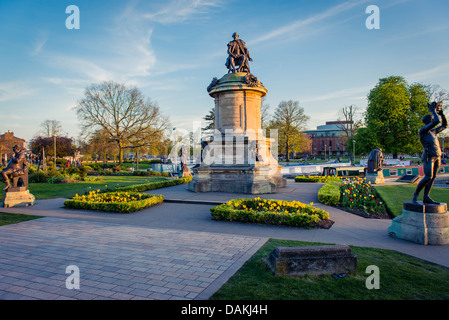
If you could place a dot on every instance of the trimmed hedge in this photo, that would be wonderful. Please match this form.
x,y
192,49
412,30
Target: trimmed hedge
x,y
313,178
329,194
154,185
144,201
273,212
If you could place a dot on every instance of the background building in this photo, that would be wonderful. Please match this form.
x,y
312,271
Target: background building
x,y
7,141
329,139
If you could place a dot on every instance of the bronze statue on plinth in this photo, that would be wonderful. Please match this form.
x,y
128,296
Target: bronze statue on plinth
x,y
16,170
238,55
431,156
375,160
15,175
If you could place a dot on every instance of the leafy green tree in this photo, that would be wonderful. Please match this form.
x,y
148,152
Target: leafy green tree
x,y
393,116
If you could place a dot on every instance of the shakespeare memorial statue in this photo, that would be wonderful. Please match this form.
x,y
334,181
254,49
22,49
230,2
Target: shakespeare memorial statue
x,y
427,221
15,176
238,55
238,156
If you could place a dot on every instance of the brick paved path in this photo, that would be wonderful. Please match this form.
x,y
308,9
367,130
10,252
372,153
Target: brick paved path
x,y
116,261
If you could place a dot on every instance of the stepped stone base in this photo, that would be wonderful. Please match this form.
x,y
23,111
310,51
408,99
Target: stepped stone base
x,y
375,178
18,199
422,223
236,179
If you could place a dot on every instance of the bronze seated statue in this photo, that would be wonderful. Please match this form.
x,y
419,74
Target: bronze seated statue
x,y
16,170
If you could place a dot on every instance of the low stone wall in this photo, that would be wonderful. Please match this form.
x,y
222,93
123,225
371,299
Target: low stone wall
x,y
315,260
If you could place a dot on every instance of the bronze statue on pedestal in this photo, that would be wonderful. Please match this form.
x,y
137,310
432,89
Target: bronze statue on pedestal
x,y
16,168
238,55
431,156
375,161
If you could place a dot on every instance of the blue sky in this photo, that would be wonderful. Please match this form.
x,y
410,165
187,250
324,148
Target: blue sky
x,y
317,52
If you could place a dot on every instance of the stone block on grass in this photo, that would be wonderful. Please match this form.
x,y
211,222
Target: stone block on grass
x,y
313,260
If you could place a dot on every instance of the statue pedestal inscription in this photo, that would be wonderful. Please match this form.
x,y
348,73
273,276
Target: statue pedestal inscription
x,y
422,223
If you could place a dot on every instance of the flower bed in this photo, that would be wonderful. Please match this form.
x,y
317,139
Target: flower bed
x,y
122,202
360,196
274,212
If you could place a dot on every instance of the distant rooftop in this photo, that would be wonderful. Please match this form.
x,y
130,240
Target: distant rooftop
x,y
330,126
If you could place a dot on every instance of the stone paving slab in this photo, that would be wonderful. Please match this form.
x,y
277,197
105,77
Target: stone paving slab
x,y
116,261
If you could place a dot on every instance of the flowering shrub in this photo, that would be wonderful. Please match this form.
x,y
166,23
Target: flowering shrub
x,y
266,211
123,202
357,193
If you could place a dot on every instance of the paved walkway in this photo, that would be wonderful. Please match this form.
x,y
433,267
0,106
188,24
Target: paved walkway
x,y
172,251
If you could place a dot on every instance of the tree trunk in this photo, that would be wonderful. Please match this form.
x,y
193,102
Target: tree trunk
x,y
120,153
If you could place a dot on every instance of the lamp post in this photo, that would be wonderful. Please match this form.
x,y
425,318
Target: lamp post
x,y
353,150
54,146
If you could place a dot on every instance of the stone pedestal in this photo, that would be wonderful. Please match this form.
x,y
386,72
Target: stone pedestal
x,y
316,260
375,178
19,198
238,157
422,223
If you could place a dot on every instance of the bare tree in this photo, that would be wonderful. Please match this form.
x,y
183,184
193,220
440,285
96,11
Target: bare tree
x,y
349,121
264,114
51,128
438,94
289,119
123,113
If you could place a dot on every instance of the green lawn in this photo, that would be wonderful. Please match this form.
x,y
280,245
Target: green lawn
x,y
402,277
68,190
10,218
142,165
394,196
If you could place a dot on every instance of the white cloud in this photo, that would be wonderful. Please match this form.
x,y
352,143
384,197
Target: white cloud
x,y
340,94
40,41
297,26
177,11
438,71
14,90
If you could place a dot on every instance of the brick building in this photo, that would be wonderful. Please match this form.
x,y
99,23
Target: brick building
x,y
329,139
7,141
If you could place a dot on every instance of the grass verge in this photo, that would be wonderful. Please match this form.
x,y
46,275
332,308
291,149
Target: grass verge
x,y
402,277
395,195
68,190
11,218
